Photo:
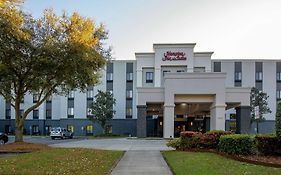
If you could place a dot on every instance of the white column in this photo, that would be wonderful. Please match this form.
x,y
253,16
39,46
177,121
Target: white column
x,y
157,77
169,121
217,117
139,78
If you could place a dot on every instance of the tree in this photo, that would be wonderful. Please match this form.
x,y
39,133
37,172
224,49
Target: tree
x,y
45,56
278,121
102,108
259,106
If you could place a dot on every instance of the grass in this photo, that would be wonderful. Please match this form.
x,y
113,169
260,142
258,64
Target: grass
x,y
60,161
23,147
199,163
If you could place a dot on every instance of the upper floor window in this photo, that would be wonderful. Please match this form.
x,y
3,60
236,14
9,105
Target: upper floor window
x,y
129,113
278,76
89,111
49,99
278,95
129,76
258,76
48,114
36,114
149,77
238,76
35,97
70,111
109,76
90,94
217,66
71,94
129,94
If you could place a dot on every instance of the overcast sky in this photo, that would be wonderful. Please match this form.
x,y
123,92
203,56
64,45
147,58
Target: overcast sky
x,y
231,28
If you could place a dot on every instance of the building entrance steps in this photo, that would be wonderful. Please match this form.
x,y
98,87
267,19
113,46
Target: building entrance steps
x,y
142,162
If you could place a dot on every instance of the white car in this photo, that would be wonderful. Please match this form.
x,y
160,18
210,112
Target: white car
x,y
62,133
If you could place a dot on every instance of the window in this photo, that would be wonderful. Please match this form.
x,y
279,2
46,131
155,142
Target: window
x,y
90,94
278,76
71,94
238,76
35,98
49,99
89,129
89,111
129,113
70,128
8,113
35,129
8,129
48,114
130,76
258,76
70,112
149,77
36,114
278,94
129,94
109,76
110,91
217,66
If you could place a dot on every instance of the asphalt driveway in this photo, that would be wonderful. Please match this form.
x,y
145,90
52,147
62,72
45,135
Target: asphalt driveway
x,y
123,144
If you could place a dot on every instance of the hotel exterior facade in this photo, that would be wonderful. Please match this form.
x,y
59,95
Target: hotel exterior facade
x,y
160,94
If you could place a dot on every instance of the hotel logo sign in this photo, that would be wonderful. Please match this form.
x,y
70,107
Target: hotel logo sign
x,y
174,56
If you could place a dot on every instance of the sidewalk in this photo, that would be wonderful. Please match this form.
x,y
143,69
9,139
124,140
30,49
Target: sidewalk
x,y
142,162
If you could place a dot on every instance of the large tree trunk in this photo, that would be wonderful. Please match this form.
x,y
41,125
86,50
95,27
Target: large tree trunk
x,y
19,132
19,122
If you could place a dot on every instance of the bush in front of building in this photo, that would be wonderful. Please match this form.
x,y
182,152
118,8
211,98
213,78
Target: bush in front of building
x,y
267,144
211,139
197,140
237,144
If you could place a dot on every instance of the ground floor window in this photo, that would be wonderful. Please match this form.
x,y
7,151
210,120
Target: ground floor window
x,y
70,128
232,122
108,129
8,129
48,129
89,129
35,129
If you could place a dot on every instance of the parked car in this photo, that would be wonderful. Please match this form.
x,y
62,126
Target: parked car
x,y
3,138
62,133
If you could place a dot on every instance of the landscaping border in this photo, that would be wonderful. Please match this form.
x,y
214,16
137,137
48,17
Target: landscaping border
x,y
236,157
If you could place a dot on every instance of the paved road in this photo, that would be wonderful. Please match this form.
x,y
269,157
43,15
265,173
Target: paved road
x,y
43,140
142,163
123,144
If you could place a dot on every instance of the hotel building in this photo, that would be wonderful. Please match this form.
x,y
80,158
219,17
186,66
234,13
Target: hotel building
x,y
160,93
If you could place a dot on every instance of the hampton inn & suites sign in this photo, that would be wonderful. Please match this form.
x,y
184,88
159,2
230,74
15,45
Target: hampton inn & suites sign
x,y
174,56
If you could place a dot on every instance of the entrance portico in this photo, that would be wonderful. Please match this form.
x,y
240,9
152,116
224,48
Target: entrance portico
x,y
182,76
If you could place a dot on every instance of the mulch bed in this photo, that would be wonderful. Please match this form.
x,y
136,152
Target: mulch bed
x,y
22,147
271,161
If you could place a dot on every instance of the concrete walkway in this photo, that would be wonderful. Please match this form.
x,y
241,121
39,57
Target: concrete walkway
x,y
142,162
142,157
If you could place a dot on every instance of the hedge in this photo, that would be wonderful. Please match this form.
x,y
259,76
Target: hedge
x,y
189,139
236,144
267,144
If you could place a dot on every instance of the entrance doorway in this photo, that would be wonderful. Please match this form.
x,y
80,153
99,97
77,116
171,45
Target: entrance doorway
x,y
154,120
191,117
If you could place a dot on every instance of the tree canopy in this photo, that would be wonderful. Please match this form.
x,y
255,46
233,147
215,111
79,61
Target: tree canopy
x,y
49,55
102,108
259,99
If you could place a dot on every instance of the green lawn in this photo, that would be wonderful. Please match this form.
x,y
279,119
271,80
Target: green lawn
x,y
196,163
60,161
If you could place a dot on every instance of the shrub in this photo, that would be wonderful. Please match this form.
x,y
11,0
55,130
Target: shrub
x,y
178,144
278,121
211,138
266,144
236,144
